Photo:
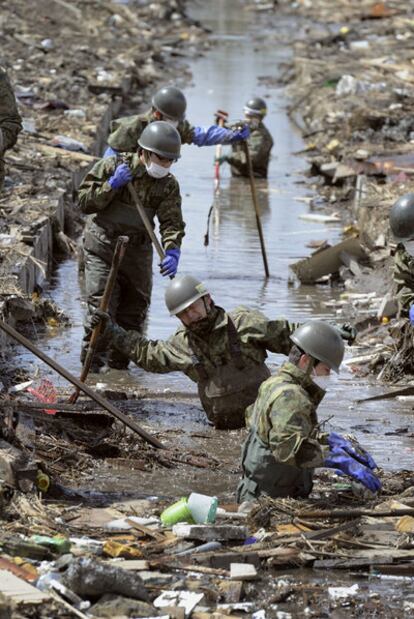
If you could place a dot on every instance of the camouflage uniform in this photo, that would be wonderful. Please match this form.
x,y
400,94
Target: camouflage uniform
x,y
114,213
260,144
10,120
126,131
283,446
404,279
227,362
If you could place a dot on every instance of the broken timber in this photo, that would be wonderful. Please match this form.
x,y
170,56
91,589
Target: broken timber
x,y
388,395
81,386
329,260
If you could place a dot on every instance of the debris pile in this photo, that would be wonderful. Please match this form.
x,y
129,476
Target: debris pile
x,y
120,560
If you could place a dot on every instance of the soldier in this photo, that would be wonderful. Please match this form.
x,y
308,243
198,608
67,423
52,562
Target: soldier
x,y
284,444
10,120
168,104
402,226
224,353
104,196
260,143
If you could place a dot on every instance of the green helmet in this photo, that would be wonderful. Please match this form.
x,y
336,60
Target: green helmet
x,y
402,218
182,292
255,107
171,102
321,341
161,138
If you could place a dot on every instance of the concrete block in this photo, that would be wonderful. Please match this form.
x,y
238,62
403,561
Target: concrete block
x,y
203,533
242,571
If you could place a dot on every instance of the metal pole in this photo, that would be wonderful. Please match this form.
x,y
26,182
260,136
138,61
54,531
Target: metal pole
x,y
119,252
81,386
256,207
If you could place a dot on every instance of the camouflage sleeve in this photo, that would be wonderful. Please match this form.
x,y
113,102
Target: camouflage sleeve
x,y
277,336
158,356
404,280
256,329
95,193
10,120
170,216
292,436
125,133
186,132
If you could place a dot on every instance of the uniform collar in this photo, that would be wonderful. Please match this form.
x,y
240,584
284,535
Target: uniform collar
x,y
137,167
304,380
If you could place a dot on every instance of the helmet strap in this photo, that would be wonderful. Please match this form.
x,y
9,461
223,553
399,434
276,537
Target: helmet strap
x,y
206,307
310,366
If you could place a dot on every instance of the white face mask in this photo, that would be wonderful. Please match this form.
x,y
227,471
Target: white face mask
x,y
156,171
321,381
173,123
409,247
253,122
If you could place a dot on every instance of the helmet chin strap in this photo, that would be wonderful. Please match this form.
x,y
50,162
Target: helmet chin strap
x,y
206,307
310,366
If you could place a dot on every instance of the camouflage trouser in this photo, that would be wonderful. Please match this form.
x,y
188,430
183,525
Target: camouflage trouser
x,y
132,291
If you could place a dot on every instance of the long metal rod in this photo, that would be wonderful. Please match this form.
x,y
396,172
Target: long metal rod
x,y
256,207
146,221
117,257
81,386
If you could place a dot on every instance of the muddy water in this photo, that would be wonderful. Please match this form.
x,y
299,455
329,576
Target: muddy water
x,y
232,265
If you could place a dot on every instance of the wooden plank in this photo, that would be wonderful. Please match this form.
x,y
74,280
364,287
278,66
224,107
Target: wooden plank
x,y
130,564
17,590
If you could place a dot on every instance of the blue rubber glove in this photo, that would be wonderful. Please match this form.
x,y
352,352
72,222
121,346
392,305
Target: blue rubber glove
x,y
411,314
339,459
122,176
337,442
169,265
109,152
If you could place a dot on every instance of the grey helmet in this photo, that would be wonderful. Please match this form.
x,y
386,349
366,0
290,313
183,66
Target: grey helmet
x,y
171,102
182,292
402,218
321,341
161,138
255,107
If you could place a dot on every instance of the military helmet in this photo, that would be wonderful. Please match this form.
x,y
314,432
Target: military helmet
x,y
171,102
321,341
161,138
255,107
402,217
182,292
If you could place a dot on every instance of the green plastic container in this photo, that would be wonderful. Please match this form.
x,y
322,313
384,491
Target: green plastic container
x,y
58,544
178,512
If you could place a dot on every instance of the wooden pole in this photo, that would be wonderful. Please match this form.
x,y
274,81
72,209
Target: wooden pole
x,y
146,221
256,207
81,386
119,252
